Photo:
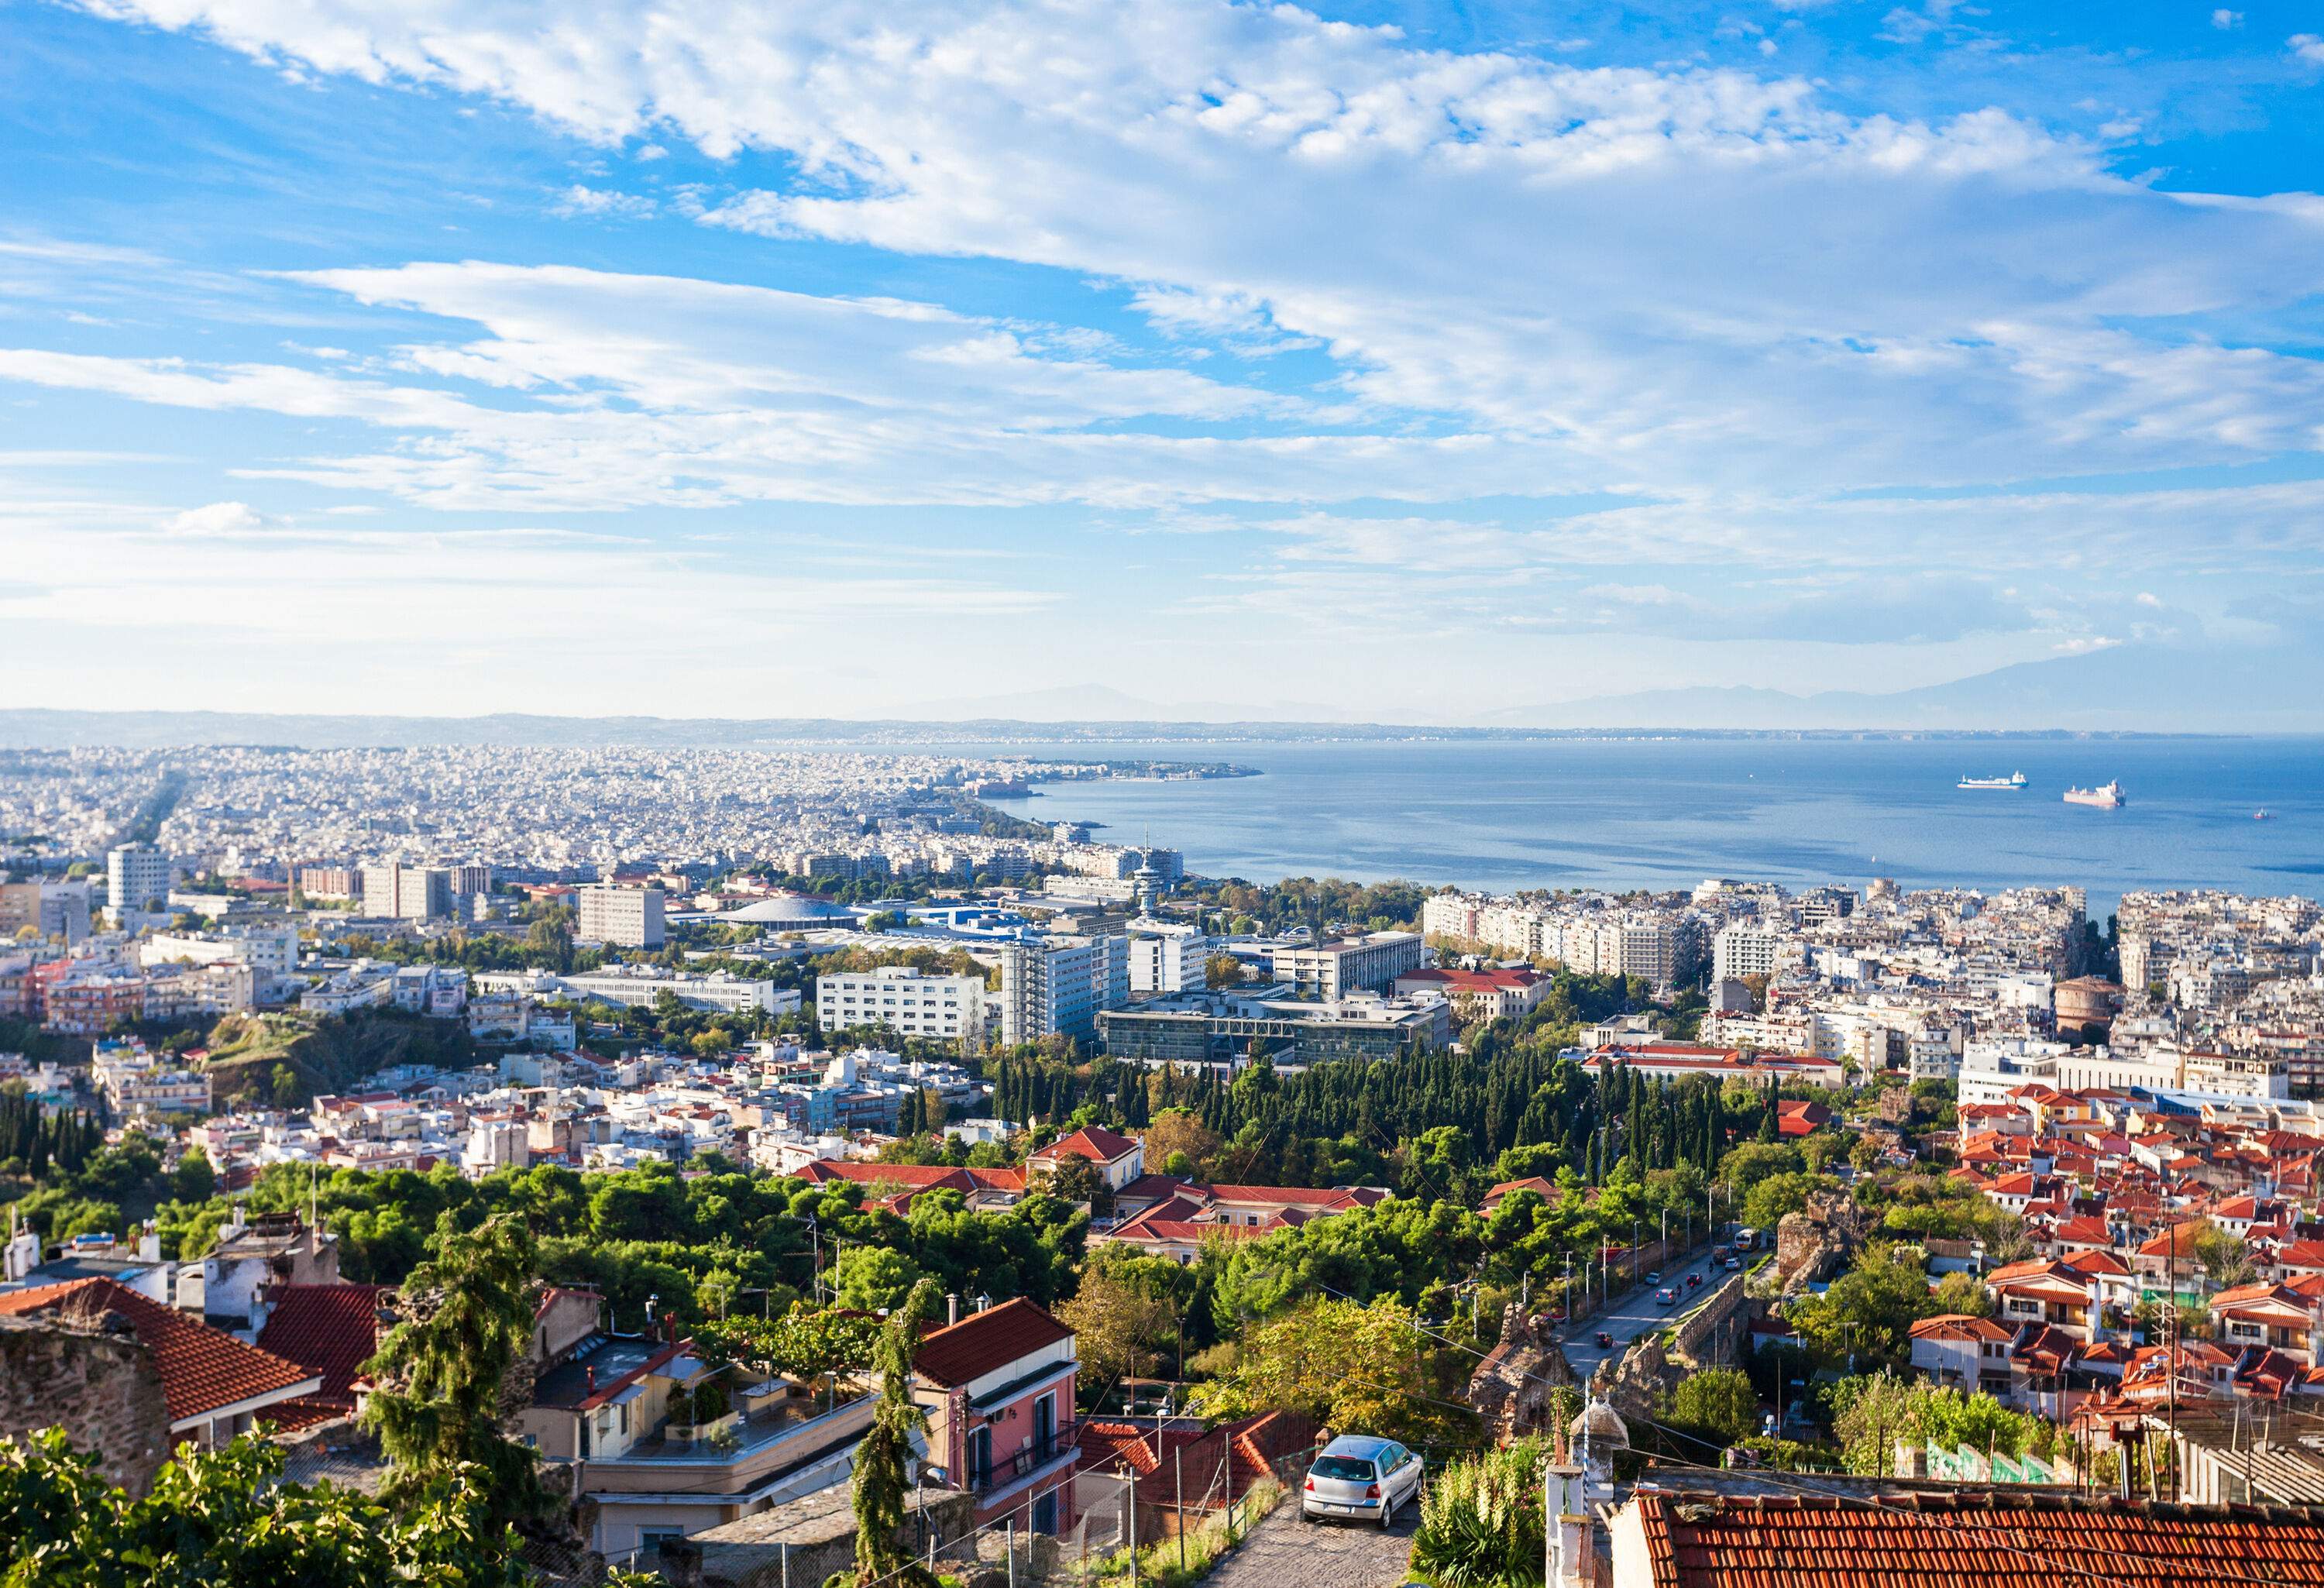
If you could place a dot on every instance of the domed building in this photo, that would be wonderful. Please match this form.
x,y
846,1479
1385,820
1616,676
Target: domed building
x,y
791,912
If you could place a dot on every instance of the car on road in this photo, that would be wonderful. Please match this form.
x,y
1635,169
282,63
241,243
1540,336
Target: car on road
x,y
1693,1281
1606,1339
1733,1265
1358,1475
1655,1278
1665,1296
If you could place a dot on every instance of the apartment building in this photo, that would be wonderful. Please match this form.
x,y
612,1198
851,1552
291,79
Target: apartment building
x,y
1745,951
902,1000
1331,970
396,892
998,1388
620,918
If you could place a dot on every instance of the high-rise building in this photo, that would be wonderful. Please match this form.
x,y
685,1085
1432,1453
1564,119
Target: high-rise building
x,y
1056,986
625,918
406,893
1168,957
137,877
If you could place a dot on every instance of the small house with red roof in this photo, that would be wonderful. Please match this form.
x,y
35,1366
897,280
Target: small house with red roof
x,y
1492,995
1119,1159
998,1388
1963,1351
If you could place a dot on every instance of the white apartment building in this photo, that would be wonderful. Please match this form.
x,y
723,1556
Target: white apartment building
x,y
1168,957
1450,915
1331,970
1645,949
137,878
621,917
1056,986
272,952
637,986
904,1000
1745,951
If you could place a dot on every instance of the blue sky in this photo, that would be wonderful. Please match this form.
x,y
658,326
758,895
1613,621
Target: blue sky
x,y
1419,361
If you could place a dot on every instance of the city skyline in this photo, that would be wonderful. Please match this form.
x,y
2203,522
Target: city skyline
x,y
1383,363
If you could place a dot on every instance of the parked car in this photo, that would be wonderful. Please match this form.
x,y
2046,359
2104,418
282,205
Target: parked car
x,y
1606,1339
1357,1475
1665,1296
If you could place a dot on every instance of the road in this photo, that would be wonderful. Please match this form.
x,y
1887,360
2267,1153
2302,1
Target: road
x,y
1635,1314
1284,1551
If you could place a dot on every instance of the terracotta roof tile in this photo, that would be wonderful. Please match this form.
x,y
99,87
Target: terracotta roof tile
x,y
328,1329
1981,1540
959,1353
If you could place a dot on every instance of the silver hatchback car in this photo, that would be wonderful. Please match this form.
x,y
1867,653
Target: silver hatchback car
x,y
1356,1475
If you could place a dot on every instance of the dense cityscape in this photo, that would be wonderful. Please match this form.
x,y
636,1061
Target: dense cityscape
x,y
709,1066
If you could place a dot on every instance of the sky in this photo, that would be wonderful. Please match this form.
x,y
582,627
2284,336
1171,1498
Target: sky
x,y
1414,361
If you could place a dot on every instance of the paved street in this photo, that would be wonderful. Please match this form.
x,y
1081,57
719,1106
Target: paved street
x,y
1634,1314
1284,1552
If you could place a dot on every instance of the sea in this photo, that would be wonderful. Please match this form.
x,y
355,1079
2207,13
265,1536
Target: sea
x,y
1623,813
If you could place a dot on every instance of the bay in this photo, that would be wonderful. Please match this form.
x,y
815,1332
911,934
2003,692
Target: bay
x,y
1667,813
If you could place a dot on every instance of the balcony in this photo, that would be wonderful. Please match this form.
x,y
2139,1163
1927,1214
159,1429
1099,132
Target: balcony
x,y
1031,1458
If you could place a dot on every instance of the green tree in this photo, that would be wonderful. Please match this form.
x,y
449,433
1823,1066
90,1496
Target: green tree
x,y
438,1409
1719,1405
1119,1324
225,1519
874,1278
1347,1367
879,1482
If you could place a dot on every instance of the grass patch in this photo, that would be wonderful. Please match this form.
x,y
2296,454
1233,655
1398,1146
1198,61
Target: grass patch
x,y
1207,1543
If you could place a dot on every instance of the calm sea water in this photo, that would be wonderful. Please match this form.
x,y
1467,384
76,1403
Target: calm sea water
x,y
1668,813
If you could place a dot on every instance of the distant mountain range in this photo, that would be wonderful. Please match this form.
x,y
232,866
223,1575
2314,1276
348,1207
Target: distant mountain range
x,y
2125,689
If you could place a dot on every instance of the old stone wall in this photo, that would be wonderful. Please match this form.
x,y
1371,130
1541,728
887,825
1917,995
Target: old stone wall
x,y
1711,1335
99,1384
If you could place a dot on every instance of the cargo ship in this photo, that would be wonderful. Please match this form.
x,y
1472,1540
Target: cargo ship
x,y
2105,796
2014,780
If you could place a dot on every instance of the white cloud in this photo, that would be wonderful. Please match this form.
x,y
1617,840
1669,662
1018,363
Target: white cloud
x,y
578,200
1529,278
218,520
2306,47
2225,19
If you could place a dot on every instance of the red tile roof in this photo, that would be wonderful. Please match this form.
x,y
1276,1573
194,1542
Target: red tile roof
x,y
202,1369
1094,1142
1982,1540
916,1177
982,1342
328,1329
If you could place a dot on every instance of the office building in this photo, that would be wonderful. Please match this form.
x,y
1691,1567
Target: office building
x,y
1331,970
907,1002
1219,1030
137,878
623,918
1056,987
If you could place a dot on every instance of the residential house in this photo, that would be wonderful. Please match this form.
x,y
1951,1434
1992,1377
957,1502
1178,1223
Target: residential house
x,y
1120,1159
998,1388
1965,1353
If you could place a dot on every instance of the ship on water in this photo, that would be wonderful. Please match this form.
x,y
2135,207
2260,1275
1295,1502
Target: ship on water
x,y
2014,780
2105,796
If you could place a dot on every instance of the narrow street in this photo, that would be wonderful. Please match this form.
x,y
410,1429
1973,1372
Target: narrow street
x,y
1635,1314
1284,1551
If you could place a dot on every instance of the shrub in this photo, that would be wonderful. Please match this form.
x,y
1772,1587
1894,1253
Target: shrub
x,y
1481,1521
